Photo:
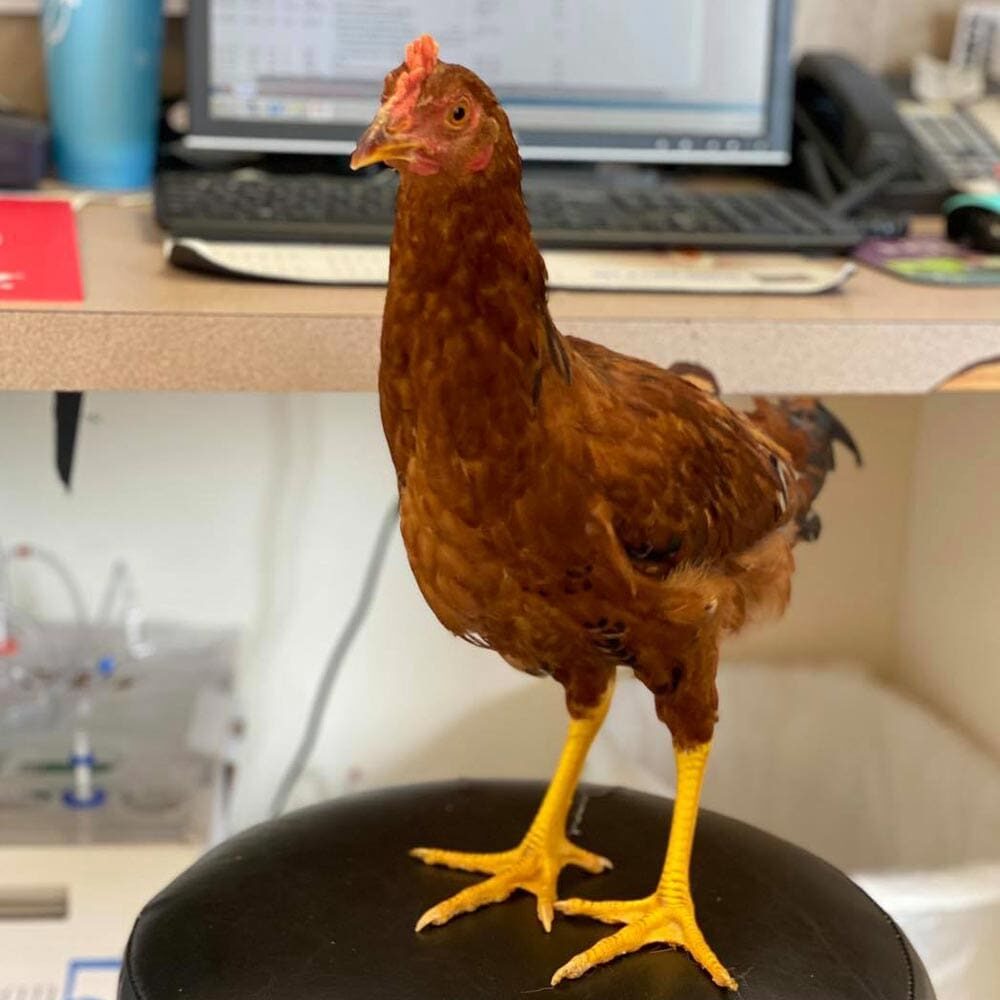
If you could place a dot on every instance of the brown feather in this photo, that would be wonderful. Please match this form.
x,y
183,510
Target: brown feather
x,y
567,506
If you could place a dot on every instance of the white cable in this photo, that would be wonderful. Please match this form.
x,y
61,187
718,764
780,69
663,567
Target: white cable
x,y
61,570
121,588
25,550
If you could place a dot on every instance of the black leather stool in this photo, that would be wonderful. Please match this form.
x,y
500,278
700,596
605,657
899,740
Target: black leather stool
x,y
320,905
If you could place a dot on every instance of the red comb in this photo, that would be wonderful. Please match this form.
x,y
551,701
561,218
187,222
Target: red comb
x,y
421,58
422,55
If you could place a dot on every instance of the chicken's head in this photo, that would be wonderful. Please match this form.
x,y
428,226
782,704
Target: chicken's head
x,y
435,118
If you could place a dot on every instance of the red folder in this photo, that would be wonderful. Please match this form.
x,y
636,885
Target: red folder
x,y
39,260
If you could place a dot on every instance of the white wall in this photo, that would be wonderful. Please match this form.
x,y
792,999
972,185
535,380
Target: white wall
x,y
172,483
883,35
950,621
260,511
846,590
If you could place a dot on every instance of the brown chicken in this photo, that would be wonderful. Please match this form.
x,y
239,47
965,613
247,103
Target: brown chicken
x,y
569,507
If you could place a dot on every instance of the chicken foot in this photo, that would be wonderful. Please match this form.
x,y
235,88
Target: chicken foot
x,y
534,865
667,916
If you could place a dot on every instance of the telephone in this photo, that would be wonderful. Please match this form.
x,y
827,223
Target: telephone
x,y
852,149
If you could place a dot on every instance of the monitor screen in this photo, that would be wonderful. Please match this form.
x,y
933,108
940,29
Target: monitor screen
x,y
699,81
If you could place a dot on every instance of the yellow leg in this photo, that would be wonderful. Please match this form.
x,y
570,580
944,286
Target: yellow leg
x,y
667,916
534,865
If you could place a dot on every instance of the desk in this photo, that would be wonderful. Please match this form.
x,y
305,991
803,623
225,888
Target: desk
x,y
145,325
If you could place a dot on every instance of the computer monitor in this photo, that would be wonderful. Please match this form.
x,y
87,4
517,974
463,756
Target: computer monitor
x,y
655,81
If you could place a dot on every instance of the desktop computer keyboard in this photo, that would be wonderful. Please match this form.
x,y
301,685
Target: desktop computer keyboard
x,y
255,206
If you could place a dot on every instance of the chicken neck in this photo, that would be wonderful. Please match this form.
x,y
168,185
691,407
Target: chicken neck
x,y
466,324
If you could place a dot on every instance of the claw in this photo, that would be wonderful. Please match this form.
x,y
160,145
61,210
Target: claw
x,y
493,890
546,913
647,921
593,863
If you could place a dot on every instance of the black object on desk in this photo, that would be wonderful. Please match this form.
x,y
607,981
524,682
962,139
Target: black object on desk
x,y
263,207
974,219
852,149
322,903
24,148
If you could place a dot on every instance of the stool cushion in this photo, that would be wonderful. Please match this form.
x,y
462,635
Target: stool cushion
x,y
320,905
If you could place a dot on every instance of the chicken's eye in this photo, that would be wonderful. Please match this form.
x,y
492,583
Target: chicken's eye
x,y
457,114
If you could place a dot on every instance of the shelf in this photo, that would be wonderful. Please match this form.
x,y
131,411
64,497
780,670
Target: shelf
x,y
146,325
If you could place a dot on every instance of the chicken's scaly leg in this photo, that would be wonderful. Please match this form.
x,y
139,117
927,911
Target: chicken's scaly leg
x,y
667,916
534,865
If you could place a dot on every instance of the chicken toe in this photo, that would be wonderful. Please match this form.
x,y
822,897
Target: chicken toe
x,y
647,921
533,867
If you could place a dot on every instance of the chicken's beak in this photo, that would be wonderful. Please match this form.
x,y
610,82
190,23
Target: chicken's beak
x,y
378,146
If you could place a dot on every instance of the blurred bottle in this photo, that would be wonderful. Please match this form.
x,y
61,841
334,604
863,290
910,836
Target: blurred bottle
x,y
102,60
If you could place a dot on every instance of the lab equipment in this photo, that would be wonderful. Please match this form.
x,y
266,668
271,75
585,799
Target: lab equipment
x,y
113,729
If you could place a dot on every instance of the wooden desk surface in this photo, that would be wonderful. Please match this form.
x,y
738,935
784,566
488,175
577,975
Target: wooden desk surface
x,y
146,325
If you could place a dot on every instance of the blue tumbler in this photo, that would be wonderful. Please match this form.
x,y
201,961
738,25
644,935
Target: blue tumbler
x,y
102,59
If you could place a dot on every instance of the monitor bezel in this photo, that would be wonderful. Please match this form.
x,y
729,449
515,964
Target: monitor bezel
x,y
773,148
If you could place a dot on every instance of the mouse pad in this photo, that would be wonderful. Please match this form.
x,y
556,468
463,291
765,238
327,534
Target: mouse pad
x,y
931,260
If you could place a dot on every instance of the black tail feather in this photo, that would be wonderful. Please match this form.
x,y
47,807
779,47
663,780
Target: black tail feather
x,y
808,431
836,431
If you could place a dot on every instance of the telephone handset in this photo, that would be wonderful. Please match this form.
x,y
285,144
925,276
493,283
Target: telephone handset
x,y
852,147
